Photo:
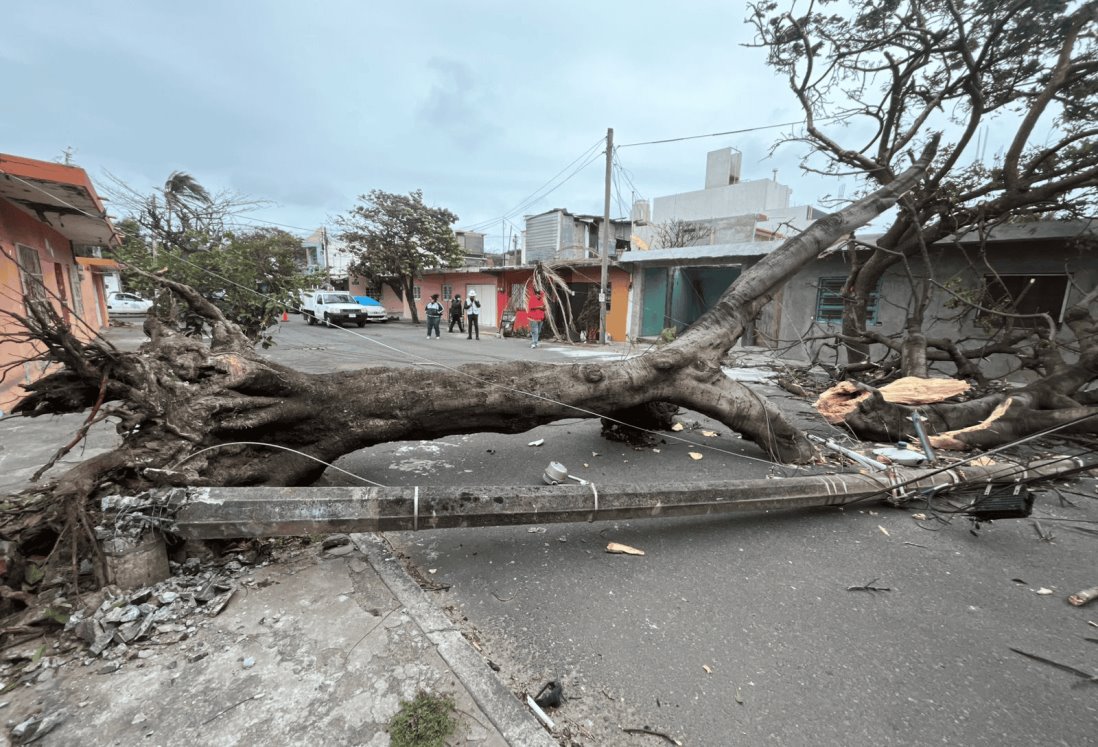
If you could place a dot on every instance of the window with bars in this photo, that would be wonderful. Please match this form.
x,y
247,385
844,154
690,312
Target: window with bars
x,y
829,301
518,296
447,292
415,292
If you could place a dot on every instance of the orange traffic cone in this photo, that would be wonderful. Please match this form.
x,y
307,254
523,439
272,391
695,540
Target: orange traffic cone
x,y
285,316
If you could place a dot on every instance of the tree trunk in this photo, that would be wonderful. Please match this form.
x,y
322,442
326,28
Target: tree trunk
x,y
410,295
219,414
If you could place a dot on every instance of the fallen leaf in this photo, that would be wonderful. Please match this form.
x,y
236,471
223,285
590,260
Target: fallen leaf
x,y
695,455
620,549
883,531
1044,592
709,434
707,669
676,427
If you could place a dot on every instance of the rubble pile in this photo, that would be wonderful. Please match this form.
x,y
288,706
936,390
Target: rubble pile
x,y
165,613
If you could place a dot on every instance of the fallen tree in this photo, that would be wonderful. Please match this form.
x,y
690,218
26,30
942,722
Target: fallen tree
x,y
874,79
197,413
1062,400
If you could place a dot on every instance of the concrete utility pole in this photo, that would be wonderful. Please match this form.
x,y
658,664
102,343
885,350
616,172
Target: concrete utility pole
x,y
207,513
606,236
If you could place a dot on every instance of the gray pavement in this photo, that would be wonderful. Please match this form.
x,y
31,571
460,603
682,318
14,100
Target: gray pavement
x,y
730,630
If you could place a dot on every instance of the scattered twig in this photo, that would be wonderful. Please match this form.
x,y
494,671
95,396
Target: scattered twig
x,y
868,587
652,732
913,544
1090,678
1045,536
223,711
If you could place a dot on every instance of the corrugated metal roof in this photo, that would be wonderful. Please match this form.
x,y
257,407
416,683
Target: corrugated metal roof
x,y
704,251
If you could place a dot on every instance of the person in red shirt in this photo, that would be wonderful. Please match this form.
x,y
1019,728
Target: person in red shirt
x,y
536,315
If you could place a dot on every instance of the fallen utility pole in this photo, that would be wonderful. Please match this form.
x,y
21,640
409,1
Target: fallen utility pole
x,y
209,513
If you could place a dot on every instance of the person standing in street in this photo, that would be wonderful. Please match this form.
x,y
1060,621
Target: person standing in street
x,y
472,310
536,315
434,316
457,313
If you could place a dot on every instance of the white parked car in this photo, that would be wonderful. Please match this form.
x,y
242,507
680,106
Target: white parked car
x,y
375,312
127,304
331,308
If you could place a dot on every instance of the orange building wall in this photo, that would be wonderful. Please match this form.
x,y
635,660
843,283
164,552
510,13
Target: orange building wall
x,y
17,227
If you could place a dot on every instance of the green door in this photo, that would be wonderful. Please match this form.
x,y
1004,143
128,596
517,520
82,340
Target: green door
x,y
653,301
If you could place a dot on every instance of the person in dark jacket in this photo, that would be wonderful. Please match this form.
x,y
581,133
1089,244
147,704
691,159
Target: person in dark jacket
x,y
457,313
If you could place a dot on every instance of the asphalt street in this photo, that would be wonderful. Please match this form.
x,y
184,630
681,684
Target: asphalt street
x,y
740,629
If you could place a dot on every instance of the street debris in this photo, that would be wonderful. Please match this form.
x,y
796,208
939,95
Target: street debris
x,y
739,696
542,716
539,442
1045,536
709,434
36,727
536,530
223,711
1079,598
1044,592
900,454
694,455
551,695
1087,676
707,668
619,549
677,427
883,531
650,732
868,587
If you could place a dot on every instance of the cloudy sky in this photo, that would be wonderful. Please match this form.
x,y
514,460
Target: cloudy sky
x,y
481,104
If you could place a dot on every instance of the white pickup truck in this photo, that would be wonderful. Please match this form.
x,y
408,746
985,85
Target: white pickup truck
x,y
331,308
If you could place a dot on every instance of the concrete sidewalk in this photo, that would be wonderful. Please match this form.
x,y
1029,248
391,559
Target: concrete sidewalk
x,y
314,645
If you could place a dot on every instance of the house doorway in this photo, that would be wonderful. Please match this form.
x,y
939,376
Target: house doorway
x,y
489,315
677,296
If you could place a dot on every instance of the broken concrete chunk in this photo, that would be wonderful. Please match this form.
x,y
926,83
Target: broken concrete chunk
x,y
335,540
215,605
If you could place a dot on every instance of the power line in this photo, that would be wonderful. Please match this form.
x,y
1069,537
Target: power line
x,y
728,132
545,189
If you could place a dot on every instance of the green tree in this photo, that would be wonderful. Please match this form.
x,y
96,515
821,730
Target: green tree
x,y
251,277
393,238
181,232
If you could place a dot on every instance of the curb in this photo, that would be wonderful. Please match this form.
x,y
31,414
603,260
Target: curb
x,y
498,703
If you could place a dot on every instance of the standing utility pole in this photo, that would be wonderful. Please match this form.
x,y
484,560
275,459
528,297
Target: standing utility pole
x,y
606,236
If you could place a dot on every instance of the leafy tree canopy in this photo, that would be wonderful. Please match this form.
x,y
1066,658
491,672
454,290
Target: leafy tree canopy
x,y
394,238
185,234
251,277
